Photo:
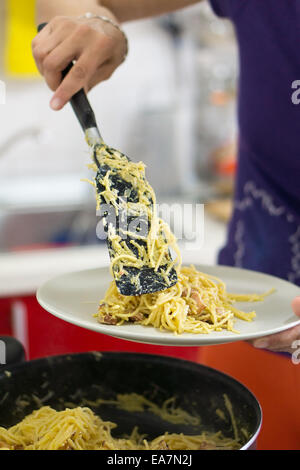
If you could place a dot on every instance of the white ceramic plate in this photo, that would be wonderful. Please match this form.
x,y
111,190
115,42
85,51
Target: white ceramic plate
x,y
74,298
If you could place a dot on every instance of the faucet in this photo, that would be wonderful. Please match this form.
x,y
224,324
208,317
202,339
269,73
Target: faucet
x,y
17,137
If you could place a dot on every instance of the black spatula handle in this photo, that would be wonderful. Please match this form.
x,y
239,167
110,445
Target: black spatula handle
x,y
79,101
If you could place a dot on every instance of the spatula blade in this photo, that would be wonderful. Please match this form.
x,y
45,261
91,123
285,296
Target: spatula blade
x,y
135,281
145,281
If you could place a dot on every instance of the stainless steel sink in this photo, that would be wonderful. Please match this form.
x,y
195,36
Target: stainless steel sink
x,y
46,211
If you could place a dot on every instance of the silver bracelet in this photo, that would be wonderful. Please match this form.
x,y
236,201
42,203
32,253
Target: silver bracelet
x,y
90,16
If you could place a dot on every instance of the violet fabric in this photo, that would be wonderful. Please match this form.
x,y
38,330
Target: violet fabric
x,y
264,233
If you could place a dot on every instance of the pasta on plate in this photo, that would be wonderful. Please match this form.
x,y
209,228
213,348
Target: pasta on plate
x,y
198,303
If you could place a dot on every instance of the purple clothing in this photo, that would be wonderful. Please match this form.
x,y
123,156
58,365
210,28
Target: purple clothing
x,y
264,233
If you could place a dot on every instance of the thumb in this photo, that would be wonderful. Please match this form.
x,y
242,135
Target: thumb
x,y
296,306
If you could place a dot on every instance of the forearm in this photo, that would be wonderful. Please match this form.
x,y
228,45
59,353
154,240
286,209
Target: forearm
x,y
48,9
123,10
126,10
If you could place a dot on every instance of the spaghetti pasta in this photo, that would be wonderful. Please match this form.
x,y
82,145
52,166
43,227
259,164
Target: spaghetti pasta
x,y
198,303
130,246
133,402
81,429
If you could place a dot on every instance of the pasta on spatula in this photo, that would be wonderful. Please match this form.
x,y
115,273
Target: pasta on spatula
x,y
139,241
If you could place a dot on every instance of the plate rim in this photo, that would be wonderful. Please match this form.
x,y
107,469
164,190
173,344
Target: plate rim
x,y
185,339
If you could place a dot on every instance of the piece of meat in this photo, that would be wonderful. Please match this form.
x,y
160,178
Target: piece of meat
x,y
66,446
184,292
137,317
163,445
108,319
205,446
196,297
104,317
3,445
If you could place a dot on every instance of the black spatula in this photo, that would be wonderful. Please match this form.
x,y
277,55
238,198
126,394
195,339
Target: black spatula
x,y
132,280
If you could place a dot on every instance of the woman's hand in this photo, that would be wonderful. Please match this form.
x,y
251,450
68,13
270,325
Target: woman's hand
x,y
282,341
97,46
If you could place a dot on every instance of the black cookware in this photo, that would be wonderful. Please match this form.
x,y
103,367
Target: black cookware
x,y
199,390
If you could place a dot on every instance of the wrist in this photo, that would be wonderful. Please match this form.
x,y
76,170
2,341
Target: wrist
x,y
112,22
103,11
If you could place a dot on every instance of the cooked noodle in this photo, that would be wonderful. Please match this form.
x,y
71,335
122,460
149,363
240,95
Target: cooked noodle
x,y
198,303
150,249
133,402
81,429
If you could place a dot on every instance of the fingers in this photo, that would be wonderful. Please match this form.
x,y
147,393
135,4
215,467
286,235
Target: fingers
x,y
85,71
296,306
41,35
37,47
97,48
48,39
76,79
58,59
280,341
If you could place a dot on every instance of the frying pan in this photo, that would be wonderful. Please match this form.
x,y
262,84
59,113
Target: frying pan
x,y
72,378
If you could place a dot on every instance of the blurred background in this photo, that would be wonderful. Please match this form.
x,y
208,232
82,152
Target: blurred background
x,y
172,105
